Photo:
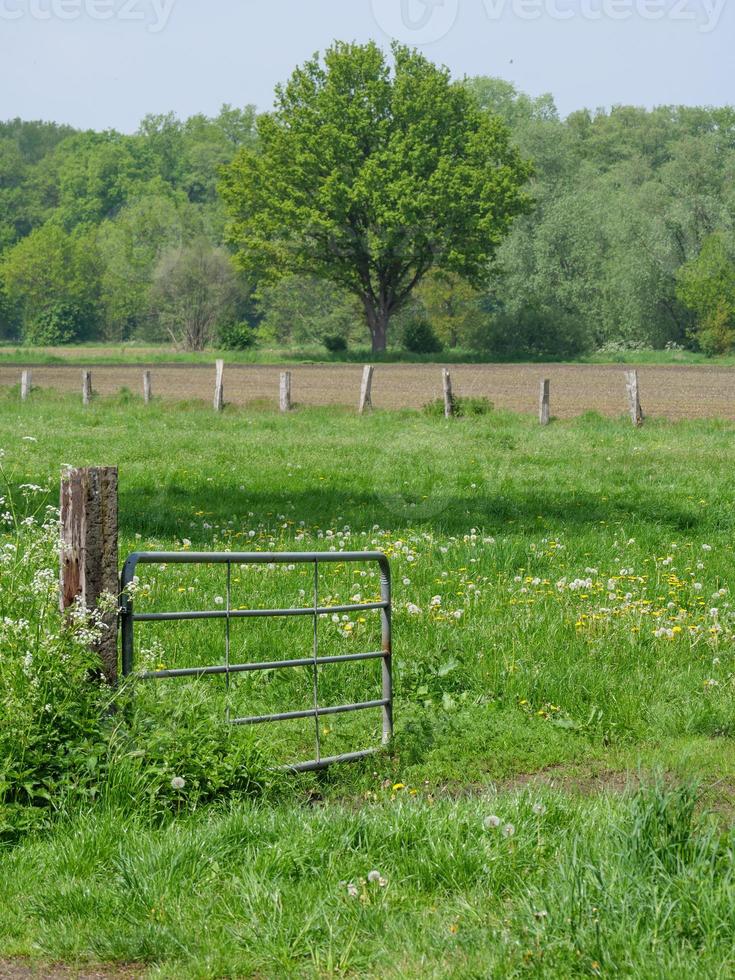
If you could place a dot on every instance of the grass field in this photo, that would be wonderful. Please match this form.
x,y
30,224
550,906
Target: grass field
x,y
134,352
672,391
559,797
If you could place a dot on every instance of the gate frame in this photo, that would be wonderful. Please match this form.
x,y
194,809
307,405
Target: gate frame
x,y
128,618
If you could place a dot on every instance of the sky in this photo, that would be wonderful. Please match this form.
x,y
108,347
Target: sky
x,y
106,63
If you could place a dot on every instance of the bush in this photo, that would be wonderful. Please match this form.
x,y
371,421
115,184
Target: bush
x,y
419,338
53,714
533,332
65,736
59,324
463,407
717,333
236,336
335,343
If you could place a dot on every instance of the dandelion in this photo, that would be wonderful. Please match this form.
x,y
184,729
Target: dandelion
x,y
508,830
352,890
539,809
178,782
413,609
374,876
492,822
706,547
407,581
218,600
697,586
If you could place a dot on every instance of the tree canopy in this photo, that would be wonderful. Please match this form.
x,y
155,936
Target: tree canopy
x,y
629,242
369,176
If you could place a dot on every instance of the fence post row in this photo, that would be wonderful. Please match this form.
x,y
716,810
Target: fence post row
x,y
285,391
448,396
366,389
544,413
219,389
88,554
634,397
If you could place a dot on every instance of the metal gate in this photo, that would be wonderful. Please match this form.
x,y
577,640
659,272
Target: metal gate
x,y
129,618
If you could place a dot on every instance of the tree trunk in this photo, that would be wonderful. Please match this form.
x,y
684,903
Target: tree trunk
x,y
380,335
377,321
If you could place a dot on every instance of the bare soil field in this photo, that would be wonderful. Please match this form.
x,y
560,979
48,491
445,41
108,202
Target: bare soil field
x,y
667,391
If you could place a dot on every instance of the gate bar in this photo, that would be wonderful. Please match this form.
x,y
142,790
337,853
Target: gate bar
x,y
337,709
265,665
251,613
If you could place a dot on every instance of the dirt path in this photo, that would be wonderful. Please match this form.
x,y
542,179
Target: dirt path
x,y
22,969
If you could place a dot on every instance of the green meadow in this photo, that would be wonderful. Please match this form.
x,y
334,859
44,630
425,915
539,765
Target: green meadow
x,y
558,797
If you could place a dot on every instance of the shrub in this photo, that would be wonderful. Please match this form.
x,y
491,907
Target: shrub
x,y
419,338
717,333
53,712
463,407
65,735
335,343
236,336
533,332
59,324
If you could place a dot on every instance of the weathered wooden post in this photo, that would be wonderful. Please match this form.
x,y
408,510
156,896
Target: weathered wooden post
x,y
26,383
448,396
634,397
86,386
544,410
285,391
366,389
147,388
88,552
219,387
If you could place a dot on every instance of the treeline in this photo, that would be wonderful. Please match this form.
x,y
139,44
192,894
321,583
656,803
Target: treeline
x,y
630,242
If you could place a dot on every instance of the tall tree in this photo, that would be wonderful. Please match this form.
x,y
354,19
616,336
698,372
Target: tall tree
x,y
194,291
369,177
706,285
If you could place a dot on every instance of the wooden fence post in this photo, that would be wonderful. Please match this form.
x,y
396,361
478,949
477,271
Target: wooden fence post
x,y
634,397
366,389
219,387
285,391
86,386
89,551
448,396
147,389
26,383
544,409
